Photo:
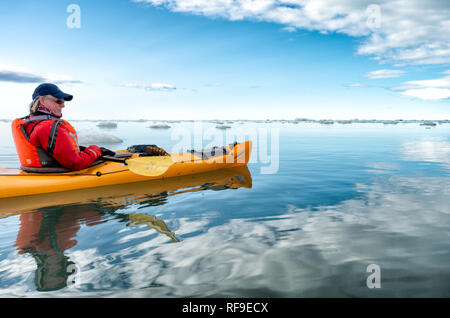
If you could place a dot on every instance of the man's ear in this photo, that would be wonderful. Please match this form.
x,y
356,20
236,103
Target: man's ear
x,y
41,99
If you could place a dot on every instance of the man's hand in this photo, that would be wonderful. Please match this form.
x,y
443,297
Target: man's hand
x,y
107,152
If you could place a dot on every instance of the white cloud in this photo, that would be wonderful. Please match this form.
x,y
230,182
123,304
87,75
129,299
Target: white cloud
x,y
159,86
289,29
434,89
132,85
384,74
354,85
406,31
153,86
14,74
443,82
429,93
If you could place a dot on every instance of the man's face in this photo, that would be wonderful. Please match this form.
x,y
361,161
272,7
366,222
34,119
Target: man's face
x,y
53,104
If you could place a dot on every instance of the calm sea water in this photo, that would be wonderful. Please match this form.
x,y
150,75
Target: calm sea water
x,y
359,210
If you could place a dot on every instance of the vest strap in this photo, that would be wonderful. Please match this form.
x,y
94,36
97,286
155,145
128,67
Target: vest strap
x,y
40,117
52,137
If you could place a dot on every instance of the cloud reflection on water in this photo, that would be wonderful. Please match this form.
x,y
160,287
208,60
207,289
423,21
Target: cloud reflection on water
x,y
432,149
398,223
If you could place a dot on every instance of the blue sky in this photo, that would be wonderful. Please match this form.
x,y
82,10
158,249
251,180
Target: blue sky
x,y
217,59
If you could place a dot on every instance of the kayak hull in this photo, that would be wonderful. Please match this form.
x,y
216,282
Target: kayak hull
x,y
121,195
16,183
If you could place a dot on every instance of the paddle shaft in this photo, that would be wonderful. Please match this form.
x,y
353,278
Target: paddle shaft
x,y
114,159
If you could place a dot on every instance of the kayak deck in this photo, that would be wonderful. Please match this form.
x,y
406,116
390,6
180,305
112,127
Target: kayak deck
x,y
14,182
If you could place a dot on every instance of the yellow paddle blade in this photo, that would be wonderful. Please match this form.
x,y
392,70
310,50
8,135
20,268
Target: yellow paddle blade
x,y
153,223
150,166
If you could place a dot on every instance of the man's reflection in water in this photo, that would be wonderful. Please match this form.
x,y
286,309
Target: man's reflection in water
x,y
46,235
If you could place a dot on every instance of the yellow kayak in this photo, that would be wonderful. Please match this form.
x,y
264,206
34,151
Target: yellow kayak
x,y
119,195
15,182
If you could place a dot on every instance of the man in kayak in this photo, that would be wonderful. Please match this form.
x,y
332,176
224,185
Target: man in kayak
x,y
45,140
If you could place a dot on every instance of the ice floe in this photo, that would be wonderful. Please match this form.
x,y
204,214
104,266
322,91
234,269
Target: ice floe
x,y
92,137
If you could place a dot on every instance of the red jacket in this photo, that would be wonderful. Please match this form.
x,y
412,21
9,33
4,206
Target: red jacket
x,y
57,137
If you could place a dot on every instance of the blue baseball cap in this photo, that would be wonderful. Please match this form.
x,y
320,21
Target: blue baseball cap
x,y
51,89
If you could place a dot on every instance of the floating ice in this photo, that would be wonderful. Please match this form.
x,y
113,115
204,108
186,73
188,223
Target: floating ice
x,y
92,137
428,123
107,124
159,126
223,127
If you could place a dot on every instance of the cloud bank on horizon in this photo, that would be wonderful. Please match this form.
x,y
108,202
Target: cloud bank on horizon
x,y
20,75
